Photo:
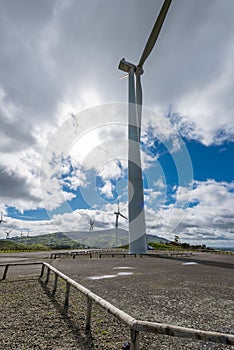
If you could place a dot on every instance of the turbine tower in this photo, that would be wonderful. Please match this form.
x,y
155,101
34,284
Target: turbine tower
x,y
117,213
91,222
136,213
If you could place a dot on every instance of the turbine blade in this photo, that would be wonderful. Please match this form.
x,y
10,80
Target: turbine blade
x,y
123,216
155,32
124,77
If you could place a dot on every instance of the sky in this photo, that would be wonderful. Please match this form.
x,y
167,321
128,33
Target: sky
x,y
63,116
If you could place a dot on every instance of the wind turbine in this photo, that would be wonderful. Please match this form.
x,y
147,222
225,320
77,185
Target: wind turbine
x,y
136,214
91,222
117,213
1,220
7,233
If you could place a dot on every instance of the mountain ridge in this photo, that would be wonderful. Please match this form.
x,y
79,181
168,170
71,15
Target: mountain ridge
x,y
81,239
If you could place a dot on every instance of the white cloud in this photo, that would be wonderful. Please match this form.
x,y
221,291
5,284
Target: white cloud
x,y
209,221
111,170
107,189
210,218
160,183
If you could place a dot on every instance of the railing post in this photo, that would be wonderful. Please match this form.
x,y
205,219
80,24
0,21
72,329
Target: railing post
x,y
134,339
66,301
42,270
5,272
55,283
88,314
48,275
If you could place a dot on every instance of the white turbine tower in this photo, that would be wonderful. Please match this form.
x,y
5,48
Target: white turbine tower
x,y
91,222
137,230
117,213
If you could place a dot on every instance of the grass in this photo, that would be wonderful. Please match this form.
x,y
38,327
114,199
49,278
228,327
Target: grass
x,y
8,246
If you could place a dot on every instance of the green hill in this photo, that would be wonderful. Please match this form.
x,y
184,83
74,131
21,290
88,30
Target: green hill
x,y
8,244
56,240
73,240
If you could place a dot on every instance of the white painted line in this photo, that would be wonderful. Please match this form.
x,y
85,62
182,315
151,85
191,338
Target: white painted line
x,y
190,263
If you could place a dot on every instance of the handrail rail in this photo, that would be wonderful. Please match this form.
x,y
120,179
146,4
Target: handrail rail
x,y
17,264
184,332
135,325
121,315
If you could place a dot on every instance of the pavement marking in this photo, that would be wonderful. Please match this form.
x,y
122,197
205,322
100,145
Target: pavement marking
x,y
190,263
109,276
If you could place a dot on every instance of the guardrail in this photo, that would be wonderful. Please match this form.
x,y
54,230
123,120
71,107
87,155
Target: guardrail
x,y
117,253
16,264
221,252
88,252
134,325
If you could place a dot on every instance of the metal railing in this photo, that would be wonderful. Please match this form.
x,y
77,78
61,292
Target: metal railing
x,y
117,253
135,326
83,252
17,264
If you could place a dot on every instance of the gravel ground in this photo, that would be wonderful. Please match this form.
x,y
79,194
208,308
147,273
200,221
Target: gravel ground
x,y
194,292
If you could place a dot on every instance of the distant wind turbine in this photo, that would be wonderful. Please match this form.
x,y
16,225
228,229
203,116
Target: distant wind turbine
x,y
7,233
1,220
117,213
136,214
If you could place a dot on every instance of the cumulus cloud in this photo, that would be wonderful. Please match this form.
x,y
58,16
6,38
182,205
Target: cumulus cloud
x,y
209,213
208,221
190,68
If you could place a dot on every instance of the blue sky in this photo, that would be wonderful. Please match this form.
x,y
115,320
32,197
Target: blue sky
x,y
213,162
63,121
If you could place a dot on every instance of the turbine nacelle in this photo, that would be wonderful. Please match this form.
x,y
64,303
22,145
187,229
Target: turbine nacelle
x,y
125,66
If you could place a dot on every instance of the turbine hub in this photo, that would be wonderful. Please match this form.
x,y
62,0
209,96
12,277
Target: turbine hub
x,y
139,70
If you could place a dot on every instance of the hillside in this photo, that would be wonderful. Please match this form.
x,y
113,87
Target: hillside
x,y
57,240
8,244
81,239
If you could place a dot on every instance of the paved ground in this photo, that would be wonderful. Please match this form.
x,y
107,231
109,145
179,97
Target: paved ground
x,y
195,291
